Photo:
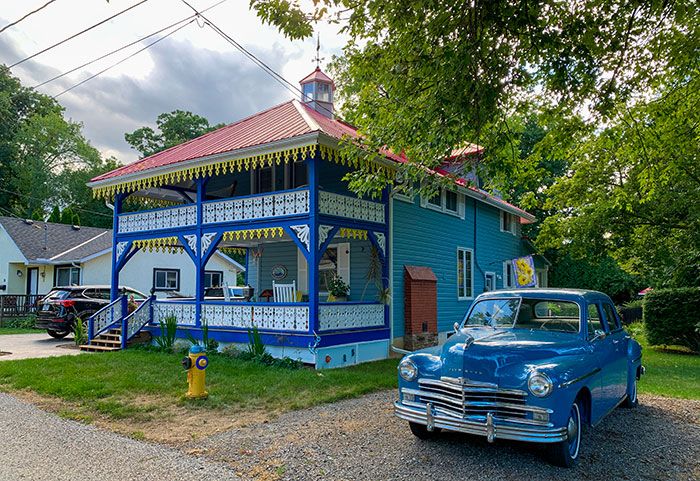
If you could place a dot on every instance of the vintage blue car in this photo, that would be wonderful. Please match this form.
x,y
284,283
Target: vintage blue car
x,y
527,365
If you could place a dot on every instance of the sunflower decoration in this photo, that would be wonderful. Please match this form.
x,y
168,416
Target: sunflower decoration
x,y
524,271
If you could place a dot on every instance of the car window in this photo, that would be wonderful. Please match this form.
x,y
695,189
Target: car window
x,y
494,312
57,294
611,317
594,320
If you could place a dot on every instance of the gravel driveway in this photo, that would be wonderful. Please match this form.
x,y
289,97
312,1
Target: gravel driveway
x,y
361,440
38,446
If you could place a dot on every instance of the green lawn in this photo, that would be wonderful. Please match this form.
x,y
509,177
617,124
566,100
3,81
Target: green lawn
x,y
19,330
111,382
671,371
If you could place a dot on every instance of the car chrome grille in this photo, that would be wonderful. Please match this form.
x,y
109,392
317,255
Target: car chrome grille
x,y
463,398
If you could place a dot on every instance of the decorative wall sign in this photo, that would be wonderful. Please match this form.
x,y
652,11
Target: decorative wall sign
x,y
278,272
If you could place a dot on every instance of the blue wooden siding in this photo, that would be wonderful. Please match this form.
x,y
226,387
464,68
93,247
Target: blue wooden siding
x,y
424,237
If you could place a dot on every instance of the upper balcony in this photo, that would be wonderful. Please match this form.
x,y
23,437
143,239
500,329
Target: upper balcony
x,y
279,205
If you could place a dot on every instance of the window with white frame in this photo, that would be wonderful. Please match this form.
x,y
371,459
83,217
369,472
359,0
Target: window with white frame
x,y
67,276
446,201
465,273
508,275
166,279
509,223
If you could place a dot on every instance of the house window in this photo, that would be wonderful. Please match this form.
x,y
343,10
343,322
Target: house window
x,y
508,278
446,201
67,276
465,269
166,279
213,278
509,223
489,281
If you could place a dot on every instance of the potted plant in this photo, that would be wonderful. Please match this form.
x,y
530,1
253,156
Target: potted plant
x,y
337,289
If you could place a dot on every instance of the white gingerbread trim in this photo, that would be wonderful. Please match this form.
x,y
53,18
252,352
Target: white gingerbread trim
x,y
323,231
381,241
206,241
302,232
191,241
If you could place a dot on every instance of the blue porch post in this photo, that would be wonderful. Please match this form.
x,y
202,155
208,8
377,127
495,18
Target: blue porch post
x,y
114,287
199,264
312,175
386,199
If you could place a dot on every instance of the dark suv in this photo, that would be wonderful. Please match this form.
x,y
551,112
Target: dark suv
x,y
63,305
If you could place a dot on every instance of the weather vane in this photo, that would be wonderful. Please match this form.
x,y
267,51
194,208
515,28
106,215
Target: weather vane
x,y
318,51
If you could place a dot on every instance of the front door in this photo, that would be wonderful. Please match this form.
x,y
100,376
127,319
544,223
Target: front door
x,y
32,281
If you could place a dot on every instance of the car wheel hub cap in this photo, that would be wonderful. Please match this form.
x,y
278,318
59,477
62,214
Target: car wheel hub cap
x,y
572,431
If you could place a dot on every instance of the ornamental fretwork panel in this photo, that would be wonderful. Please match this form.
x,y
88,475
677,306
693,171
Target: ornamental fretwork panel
x,y
351,207
281,318
171,218
184,313
257,207
348,316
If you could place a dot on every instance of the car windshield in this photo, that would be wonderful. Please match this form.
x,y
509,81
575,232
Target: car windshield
x,y
526,313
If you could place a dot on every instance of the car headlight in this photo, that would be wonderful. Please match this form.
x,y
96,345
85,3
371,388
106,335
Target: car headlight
x,y
408,370
540,385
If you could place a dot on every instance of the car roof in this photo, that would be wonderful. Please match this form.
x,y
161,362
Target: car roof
x,y
539,292
92,286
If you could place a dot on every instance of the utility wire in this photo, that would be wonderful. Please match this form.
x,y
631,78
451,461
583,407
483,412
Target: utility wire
x,y
27,15
279,78
79,33
124,47
125,58
87,211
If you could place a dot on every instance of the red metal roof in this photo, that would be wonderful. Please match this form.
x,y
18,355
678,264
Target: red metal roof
x,y
285,121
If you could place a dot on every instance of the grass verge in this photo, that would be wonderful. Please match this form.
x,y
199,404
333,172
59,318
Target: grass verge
x,y
19,330
137,391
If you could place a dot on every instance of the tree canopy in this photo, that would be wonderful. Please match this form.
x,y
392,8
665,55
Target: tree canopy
x,y
44,158
174,128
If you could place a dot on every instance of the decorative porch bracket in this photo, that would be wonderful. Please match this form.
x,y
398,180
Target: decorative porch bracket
x,y
301,235
189,243
326,233
379,241
209,243
124,253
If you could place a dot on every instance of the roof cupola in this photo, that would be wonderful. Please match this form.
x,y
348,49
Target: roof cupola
x,y
317,92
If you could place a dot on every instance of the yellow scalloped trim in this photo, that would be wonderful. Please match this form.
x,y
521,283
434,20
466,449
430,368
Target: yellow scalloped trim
x,y
237,165
352,233
170,245
250,234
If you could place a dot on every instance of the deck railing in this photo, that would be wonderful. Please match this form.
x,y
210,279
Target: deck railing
x,y
251,208
17,305
109,316
135,321
340,316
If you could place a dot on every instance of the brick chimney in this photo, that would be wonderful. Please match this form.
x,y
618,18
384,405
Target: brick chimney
x,y
420,307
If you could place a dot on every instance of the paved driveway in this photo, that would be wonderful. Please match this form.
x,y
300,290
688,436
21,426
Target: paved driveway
x,y
38,446
26,346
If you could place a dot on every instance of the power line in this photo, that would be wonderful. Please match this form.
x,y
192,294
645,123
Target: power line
x,y
279,78
124,47
87,211
27,15
79,33
125,58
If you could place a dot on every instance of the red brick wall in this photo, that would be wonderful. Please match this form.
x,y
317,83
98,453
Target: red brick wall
x,y
420,307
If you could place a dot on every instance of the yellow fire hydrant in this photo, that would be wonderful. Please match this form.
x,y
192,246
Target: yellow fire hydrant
x,y
196,364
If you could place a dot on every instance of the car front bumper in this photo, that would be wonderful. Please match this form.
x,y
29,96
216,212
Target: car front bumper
x,y
491,428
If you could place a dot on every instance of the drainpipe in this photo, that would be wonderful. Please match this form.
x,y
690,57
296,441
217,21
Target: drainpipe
x,y
391,278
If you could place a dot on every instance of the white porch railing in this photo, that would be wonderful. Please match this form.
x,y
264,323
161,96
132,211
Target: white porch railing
x,y
184,312
151,220
339,316
105,317
272,316
350,207
137,319
255,207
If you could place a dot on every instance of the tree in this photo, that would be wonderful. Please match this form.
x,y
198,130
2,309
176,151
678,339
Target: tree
x,y
423,77
174,128
633,188
45,161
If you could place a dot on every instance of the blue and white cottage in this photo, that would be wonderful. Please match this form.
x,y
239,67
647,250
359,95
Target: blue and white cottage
x,y
271,187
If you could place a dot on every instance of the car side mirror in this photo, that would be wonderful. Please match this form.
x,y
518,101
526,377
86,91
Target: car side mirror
x,y
598,334
456,326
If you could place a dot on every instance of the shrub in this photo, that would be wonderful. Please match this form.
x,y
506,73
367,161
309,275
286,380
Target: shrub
x,y
20,322
672,316
255,344
168,330
79,332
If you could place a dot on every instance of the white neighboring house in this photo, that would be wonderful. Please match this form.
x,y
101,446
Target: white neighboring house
x,y
36,256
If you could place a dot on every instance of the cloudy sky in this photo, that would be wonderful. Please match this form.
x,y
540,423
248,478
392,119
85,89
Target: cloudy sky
x,y
194,69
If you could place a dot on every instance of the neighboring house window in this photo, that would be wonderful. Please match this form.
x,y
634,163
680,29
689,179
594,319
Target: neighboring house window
x,y
489,281
67,276
509,223
166,279
446,201
465,269
508,278
335,260
213,278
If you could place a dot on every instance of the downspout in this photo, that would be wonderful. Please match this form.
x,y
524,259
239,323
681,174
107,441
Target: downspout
x,y
391,278
476,255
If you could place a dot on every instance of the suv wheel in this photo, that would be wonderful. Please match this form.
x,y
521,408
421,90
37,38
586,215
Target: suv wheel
x,y
57,334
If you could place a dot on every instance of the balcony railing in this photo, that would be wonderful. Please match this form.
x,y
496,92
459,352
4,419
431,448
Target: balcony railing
x,y
335,316
251,208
